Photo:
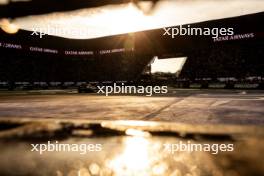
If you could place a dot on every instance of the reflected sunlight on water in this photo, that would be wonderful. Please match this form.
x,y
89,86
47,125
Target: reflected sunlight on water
x,y
135,157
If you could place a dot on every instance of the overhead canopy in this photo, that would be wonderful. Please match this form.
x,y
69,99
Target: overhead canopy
x,y
149,42
18,8
109,20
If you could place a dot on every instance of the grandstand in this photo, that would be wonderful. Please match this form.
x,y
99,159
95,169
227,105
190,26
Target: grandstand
x,y
27,58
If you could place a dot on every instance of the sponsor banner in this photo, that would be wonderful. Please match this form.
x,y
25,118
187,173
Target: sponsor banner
x,y
246,86
216,86
10,45
235,37
37,49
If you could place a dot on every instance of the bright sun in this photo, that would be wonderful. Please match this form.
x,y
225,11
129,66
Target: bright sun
x,y
8,27
125,20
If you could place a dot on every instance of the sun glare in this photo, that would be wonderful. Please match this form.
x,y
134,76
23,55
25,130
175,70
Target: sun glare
x,y
124,20
92,23
8,27
135,157
116,19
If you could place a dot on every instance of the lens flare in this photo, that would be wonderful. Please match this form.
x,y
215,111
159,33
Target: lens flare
x,y
8,27
135,158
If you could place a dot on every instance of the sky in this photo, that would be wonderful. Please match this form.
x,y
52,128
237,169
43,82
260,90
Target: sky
x,y
171,65
110,20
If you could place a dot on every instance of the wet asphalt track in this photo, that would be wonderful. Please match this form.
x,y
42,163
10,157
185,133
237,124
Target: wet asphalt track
x,y
187,106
